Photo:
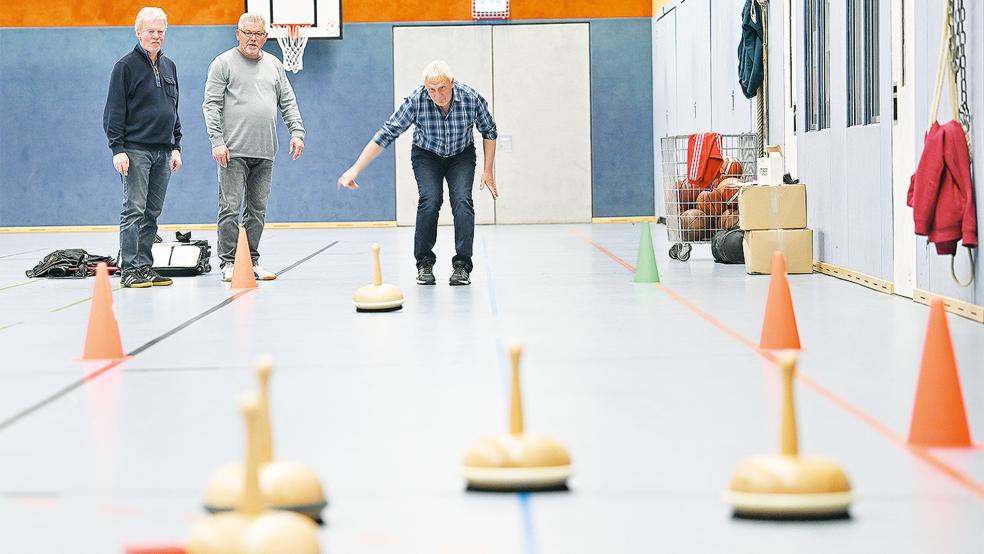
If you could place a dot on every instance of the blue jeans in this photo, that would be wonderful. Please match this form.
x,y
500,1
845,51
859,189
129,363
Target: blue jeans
x,y
246,179
144,188
430,171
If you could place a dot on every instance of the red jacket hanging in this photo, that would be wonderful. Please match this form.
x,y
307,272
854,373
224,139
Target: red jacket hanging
x,y
703,159
941,191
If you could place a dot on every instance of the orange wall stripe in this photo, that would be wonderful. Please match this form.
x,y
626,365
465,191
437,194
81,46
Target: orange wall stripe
x,y
380,11
120,13
425,10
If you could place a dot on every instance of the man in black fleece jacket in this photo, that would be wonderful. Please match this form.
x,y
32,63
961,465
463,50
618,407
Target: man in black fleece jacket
x,y
144,132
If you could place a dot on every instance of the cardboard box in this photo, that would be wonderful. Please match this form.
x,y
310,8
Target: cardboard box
x,y
770,170
781,207
795,244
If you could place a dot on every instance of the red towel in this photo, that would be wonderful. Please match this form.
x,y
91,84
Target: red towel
x,y
941,191
704,159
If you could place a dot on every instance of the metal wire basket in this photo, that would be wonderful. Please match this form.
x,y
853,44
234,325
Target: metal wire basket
x,y
695,212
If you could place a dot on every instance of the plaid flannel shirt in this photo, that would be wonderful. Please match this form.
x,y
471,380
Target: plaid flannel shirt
x,y
444,135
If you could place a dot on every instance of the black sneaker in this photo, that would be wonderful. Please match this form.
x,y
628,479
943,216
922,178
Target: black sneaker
x,y
425,275
156,279
459,276
134,279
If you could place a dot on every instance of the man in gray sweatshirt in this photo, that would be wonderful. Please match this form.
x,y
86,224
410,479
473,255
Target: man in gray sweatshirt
x,y
245,89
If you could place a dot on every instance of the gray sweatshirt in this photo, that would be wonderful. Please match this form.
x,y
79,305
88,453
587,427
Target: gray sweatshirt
x,y
242,97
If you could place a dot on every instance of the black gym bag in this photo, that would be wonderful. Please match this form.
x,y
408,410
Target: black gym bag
x,y
726,246
72,263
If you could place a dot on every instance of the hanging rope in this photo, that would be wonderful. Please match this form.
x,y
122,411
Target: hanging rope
x,y
953,61
762,96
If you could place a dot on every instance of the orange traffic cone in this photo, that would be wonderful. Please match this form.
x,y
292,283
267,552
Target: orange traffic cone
x,y
102,339
242,269
779,327
938,417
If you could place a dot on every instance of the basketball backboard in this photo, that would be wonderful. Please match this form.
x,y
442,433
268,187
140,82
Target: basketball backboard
x,y
324,16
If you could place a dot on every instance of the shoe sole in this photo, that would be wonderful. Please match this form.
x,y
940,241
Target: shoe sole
x,y
270,278
459,283
164,284
428,283
138,286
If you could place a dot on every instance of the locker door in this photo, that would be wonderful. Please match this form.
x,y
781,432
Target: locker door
x,y
468,50
693,66
731,112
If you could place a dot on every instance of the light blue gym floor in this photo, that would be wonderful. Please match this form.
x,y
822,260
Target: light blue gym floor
x,y
658,393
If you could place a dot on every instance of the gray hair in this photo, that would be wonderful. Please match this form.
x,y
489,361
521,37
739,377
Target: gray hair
x,y
252,18
438,69
149,14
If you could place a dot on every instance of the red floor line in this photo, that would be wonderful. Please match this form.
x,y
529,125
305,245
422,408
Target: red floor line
x,y
961,477
607,252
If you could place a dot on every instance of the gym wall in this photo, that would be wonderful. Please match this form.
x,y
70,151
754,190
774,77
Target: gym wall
x,y
849,170
55,64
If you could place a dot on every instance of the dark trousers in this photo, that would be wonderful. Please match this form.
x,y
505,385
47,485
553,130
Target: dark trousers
x,y
430,171
144,188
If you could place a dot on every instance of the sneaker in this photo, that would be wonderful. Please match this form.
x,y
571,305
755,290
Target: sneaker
x,y
425,275
227,272
134,279
262,274
459,276
156,279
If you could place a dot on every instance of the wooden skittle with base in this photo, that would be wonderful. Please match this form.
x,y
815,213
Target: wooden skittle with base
x,y
284,485
786,485
379,296
517,461
249,529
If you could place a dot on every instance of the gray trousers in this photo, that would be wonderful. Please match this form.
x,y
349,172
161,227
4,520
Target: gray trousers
x,y
144,188
242,179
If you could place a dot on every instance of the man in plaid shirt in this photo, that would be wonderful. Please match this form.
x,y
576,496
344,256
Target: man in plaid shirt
x,y
442,112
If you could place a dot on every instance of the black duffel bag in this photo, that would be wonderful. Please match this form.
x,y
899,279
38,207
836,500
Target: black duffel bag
x,y
72,263
726,246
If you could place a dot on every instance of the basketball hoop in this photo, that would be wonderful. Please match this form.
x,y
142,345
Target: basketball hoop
x,y
292,43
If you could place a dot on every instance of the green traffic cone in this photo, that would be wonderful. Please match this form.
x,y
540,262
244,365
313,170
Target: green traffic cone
x,y
646,270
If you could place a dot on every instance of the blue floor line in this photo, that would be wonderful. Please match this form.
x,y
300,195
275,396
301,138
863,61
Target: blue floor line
x,y
529,531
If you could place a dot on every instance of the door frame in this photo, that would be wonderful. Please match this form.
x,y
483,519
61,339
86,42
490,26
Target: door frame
x,y
790,40
904,247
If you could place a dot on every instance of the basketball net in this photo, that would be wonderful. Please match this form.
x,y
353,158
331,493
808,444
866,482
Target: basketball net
x,y
292,43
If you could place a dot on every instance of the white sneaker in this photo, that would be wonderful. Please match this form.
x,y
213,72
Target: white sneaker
x,y
227,273
262,274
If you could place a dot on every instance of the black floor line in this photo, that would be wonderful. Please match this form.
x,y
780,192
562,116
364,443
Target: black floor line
x,y
24,252
110,365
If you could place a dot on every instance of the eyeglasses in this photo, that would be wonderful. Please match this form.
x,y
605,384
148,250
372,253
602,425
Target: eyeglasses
x,y
250,34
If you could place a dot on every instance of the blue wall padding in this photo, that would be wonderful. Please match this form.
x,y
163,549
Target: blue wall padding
x,y
56,169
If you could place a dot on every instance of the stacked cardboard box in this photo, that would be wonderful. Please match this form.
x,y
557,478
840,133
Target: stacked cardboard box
x,y
774,218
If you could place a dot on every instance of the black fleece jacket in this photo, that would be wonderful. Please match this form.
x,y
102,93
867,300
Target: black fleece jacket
x,y
142,105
